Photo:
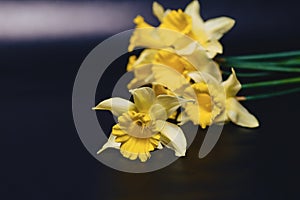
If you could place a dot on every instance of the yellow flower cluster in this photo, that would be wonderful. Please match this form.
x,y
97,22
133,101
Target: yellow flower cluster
x,y
178,62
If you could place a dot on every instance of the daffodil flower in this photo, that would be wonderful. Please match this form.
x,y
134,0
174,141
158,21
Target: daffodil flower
x,y
142,125
152,62
209,97
162,65
216,102
235,112
175,23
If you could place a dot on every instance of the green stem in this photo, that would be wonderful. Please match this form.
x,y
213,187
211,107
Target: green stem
x,y
258,74
259,66
268,95
294,62
290,62
266,56
271,83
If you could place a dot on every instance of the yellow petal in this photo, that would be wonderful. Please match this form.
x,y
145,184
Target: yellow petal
x,y
131,61
165,75
213,47
142,72
122,139
240,115
199,59
175,25
218,26
186,46
144,35
192,113
193,10
118,131
142,69
146,57
158,10
170,103
140,22
110,144
173,61
158,112
116,105
161,89
137,82
144,156
143,98
232,85
172,137
199,76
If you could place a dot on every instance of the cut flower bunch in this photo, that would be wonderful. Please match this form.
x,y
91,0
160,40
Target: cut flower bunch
x,y
179,78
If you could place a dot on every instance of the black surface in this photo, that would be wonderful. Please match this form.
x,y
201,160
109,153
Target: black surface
x,y
43,157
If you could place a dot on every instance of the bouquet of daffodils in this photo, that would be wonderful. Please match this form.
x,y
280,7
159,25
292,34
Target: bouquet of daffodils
x,y
177,79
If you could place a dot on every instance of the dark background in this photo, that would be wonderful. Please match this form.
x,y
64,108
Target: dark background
x,y
43,157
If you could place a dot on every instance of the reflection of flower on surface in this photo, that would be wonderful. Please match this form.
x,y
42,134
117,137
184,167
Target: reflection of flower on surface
x,y
142,125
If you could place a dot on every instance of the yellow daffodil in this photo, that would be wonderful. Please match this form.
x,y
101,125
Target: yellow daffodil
x,y
235,112
209,99
151,61
175,24
159,65
216,102
142,125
